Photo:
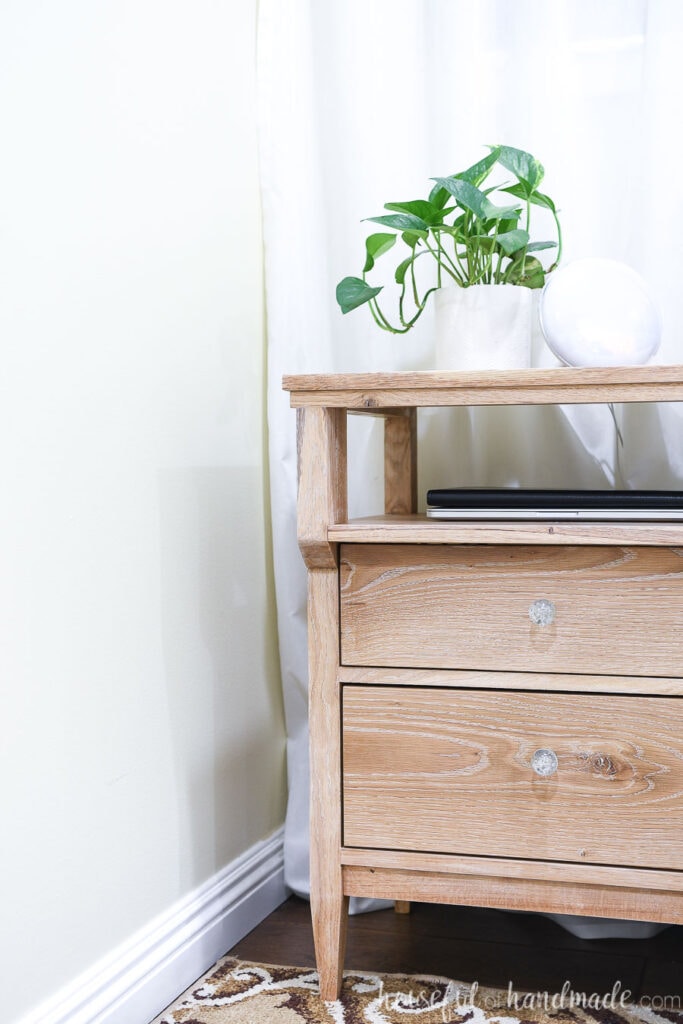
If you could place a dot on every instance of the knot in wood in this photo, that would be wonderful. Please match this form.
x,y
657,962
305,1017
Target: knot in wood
x,y
601,764
369,402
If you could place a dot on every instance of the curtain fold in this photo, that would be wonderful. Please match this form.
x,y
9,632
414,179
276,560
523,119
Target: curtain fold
x,y
361,103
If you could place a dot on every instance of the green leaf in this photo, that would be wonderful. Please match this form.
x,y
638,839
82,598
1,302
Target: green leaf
x,y
526,271
421,208
401,222
522,164
474,175
466,195
411,238
470,198
375,246
479,171
401,270
541,200
438,197
454,230
479,243
512,241
508,223
352,292
536,198
537,246
498,213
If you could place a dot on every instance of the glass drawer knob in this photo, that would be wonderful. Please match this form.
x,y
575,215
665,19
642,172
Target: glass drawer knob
x,y
542,612
544,762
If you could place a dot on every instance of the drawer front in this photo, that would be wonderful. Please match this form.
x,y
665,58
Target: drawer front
x,y
612,610
450,771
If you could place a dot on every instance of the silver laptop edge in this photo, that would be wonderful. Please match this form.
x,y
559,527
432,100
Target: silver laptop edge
x,y
584,514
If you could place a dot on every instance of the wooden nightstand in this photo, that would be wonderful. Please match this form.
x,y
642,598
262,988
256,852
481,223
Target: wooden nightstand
x,y
432,690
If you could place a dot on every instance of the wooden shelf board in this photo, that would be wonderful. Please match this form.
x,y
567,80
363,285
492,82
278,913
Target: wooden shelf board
x,y
417,529
565,385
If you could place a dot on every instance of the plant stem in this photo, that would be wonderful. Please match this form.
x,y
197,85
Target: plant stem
x,y
380,319
461,268
412,277
453,272
559,241
528,222
497,275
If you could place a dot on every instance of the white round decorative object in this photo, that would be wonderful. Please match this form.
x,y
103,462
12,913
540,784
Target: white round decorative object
x,y
599,312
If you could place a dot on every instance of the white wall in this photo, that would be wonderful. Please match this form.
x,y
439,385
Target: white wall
x,y
142,738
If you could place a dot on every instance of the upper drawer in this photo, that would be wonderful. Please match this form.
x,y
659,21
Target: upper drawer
x,y
614,610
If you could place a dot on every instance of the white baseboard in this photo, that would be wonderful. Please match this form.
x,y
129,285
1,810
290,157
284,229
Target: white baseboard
x,y
141,977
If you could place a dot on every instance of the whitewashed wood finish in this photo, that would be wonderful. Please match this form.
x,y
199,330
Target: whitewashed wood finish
x,y
400,463
485,879
428,380
511,868
449,772
619,610
515,894
547,682
329,905
566,385
417,529
322,488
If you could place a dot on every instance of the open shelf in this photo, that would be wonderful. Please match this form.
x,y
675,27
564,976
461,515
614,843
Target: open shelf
x,y
417,529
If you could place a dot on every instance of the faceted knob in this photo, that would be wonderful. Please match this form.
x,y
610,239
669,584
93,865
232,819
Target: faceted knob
x,y
544,762
542,612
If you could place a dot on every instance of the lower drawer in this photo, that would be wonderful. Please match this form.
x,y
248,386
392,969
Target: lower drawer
x,y
449,771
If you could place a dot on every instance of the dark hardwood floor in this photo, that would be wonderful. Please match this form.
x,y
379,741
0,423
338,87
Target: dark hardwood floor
x,y
471,944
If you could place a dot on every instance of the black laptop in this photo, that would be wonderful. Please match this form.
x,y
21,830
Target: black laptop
x,y
523,503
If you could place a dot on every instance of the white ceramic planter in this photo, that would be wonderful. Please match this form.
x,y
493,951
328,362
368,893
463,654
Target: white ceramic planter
x,y
484,327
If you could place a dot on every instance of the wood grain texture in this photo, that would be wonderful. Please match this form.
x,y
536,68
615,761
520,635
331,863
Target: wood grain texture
x,y
603,376
400,463
664,686
618,610
510,867
514,894
402,906
417,529
322,496
329,905
449,771
566,385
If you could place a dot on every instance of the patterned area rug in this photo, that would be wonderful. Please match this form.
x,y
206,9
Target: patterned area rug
x,y
237,992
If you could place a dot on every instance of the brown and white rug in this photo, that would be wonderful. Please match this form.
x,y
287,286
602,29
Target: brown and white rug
x,y
238,992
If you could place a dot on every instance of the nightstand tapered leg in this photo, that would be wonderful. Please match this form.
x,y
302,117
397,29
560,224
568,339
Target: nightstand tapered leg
x,y
329,906
322,501
330,914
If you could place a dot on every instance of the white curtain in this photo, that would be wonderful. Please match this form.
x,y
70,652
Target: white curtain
x,y
361,103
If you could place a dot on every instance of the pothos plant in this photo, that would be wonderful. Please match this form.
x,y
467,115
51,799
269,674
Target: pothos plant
x,y
464,235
